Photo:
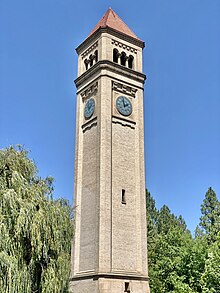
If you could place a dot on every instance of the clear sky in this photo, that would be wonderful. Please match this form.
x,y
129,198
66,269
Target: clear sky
x,y
38,64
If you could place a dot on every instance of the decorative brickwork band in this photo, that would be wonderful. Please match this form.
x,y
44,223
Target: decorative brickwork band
x,y
89,50
90,91
123,46
125,89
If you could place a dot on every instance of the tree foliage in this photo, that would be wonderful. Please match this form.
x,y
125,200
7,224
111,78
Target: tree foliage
x,y
211,274
36,233
35,230
178,262
210,219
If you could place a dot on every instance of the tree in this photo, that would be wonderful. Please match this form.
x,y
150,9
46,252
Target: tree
x,y
168,244
211,275
166,261
210,232
35,230
210,219
167,220
152,215
193,263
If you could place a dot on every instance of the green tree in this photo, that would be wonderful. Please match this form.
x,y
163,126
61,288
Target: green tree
x,y
210,219
166,220
210,232
166,265
193,263
211,275
35,230
176,260
152,215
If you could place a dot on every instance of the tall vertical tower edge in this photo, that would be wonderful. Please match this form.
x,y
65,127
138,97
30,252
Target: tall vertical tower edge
x,y
109,253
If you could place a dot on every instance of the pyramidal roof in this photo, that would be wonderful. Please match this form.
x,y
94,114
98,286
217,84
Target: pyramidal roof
x,y
112,20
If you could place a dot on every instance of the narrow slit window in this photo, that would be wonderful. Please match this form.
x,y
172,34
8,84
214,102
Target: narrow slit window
x,y
127,287
123,199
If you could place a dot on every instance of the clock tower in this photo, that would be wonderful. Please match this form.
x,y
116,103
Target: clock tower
x,y
109,253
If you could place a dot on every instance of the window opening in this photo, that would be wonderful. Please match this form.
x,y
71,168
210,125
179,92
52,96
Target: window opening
x,y
91,60
127,287
115,55
123,58
130,61
86,63
96,55
123,199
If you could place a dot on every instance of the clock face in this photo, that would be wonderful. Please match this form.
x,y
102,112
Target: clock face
x,y
124,106
89,108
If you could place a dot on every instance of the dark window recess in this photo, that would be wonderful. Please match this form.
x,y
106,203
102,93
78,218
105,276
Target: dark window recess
x,y
123,58
127,287
123,199
86,63
130,61
96,56
115,55
91,60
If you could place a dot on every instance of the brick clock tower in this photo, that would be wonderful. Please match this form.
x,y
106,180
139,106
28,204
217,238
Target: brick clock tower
x,y
109,252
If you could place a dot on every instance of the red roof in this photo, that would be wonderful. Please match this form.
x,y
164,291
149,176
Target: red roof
x,y
112,20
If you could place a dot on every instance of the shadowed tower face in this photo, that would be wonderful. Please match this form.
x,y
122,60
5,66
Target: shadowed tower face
x,y
109,252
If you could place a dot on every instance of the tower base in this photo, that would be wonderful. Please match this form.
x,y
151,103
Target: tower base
x,y
109,283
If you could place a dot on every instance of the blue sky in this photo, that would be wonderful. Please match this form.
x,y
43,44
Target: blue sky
x,y
38,64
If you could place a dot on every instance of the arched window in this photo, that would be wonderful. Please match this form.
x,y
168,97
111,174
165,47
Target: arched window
x,y
115,55
123,58
91,60
96,55
86,63
130,61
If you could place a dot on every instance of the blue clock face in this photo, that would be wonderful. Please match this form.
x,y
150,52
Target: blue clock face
x,y
89,108
124,106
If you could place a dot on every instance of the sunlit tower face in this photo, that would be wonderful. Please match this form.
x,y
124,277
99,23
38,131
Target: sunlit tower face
x,y
110,247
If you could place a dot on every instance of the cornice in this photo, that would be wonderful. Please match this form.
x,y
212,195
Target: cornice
x,y
112,67
112,32
110,276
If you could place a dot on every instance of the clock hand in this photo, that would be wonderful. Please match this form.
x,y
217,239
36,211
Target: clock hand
x,y
124,101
